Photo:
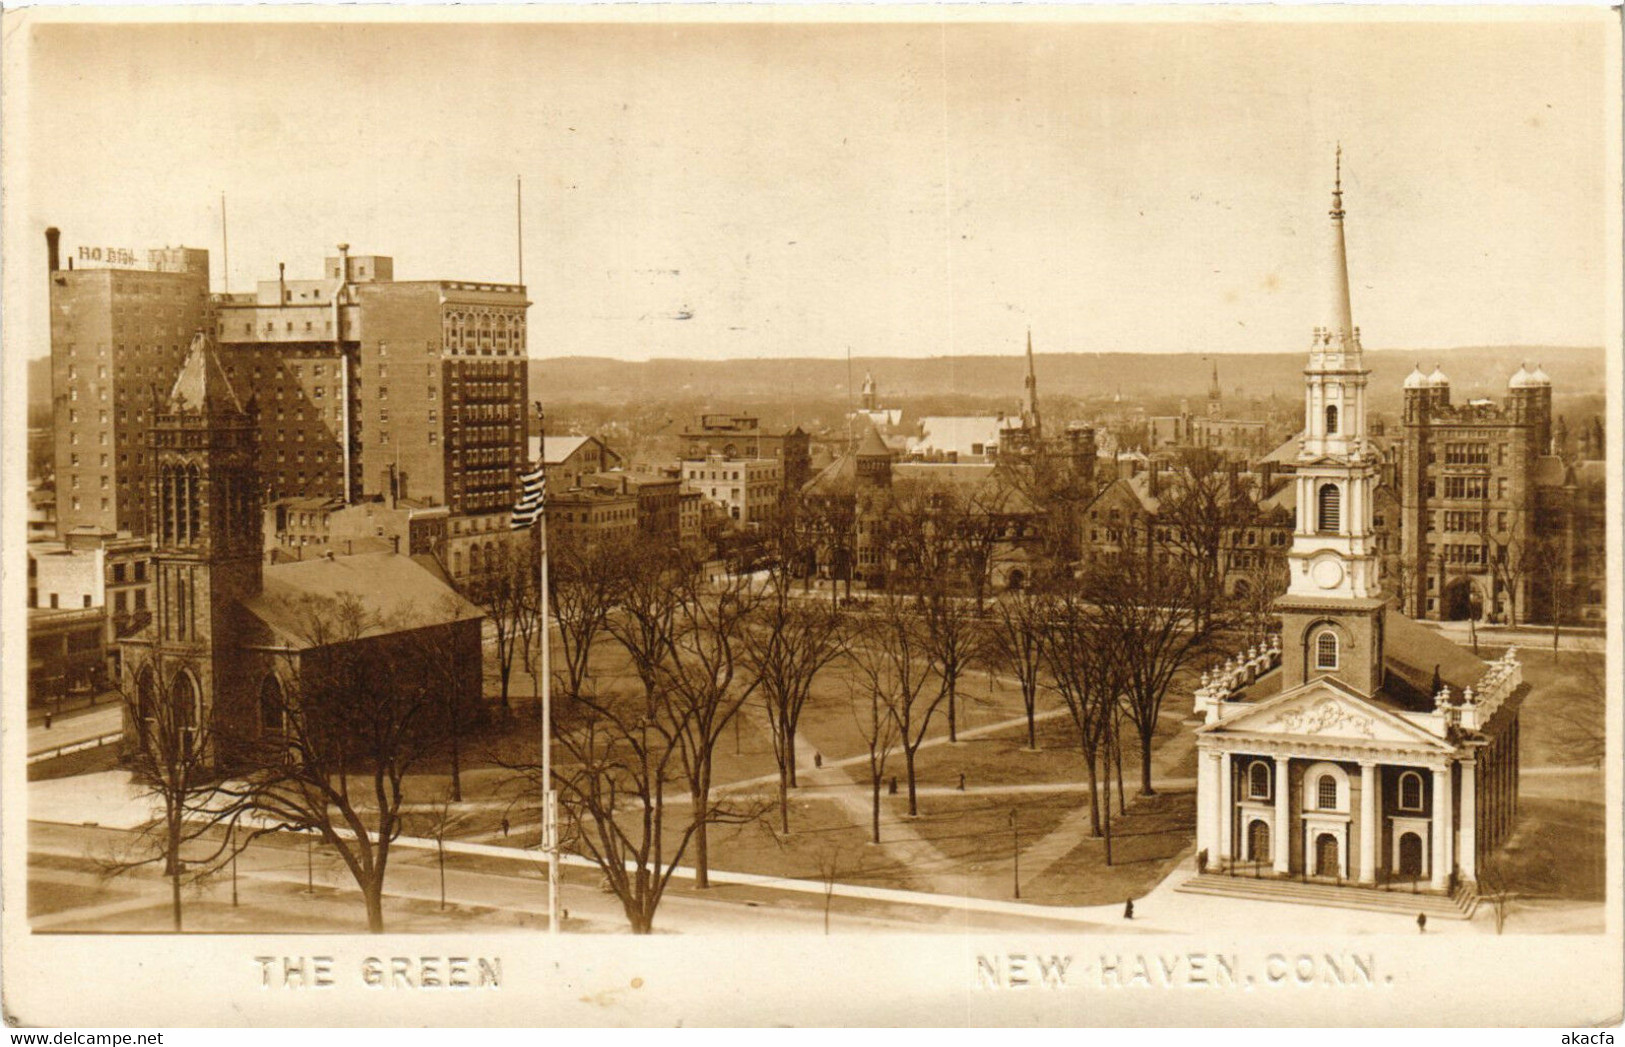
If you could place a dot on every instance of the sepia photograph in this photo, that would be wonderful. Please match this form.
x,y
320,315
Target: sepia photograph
x,y
812,515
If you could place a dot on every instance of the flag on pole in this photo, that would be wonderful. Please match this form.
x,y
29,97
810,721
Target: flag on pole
x,y
532,498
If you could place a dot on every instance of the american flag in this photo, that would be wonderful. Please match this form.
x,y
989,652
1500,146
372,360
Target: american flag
x,y
532,499
532,485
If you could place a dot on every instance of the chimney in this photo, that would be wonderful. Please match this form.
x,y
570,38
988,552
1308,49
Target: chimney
x,y
344,263
53,250
1156,478
281,283
1266,478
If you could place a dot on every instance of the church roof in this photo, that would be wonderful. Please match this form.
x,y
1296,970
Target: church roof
x,y
395,592
1410,653
202,384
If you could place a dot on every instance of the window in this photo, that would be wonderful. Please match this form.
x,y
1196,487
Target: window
x,y
1258,780
1326,793
1331,508
1326,650
1331,419
1410,791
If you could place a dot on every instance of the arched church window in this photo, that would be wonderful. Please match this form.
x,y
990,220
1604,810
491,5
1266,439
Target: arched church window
x,y
271,705
1331,419
1258,780
1326,650
1331,509
187,710
1410,791
1326,793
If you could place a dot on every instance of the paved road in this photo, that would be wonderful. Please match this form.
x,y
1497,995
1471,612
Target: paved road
x,y
79,727
509,891
1533,637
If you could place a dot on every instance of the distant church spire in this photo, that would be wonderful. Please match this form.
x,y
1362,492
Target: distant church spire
x,y
1215,398
1029,403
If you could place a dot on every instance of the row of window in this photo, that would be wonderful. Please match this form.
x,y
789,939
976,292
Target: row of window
x,y
1260,781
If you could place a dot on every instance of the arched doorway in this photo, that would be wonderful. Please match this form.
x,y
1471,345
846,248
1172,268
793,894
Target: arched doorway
x,y
1462,601
1326,863
1258,841
1410,856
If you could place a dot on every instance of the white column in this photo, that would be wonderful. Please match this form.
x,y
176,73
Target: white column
x,y
1441,827
1224,814
1369,844
1282,837
1468,846
1206,799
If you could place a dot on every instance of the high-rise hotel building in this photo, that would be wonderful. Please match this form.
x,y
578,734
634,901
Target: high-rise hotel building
x,y
363,386
118,337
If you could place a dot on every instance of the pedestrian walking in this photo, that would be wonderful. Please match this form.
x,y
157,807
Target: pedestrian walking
x,y
47,719
891,789
961,781
1421,923
1128,909
504,827
818,759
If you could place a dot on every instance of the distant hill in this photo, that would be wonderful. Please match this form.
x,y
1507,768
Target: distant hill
x,y
1474,371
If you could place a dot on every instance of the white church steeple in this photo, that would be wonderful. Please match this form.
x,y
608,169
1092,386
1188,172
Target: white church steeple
x,y
1336,571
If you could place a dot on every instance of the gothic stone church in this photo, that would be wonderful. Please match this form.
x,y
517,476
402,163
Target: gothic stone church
x,y
228,631
1359,748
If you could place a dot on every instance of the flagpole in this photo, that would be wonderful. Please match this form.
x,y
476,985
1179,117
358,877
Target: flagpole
x,y
550,811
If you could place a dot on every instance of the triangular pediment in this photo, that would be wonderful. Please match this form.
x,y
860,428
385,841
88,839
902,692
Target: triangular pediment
x,y
1325,708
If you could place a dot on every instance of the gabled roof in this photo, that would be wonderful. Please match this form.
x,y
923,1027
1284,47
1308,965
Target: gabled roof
x,y
1325,708
202,385
555,450
1287,453
396,593
1410,653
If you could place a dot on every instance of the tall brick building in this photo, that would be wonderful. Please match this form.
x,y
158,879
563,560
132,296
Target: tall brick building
x,y
118,337
372,386
1490,515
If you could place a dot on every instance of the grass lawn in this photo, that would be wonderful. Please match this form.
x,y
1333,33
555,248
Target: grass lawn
x,y
1558,850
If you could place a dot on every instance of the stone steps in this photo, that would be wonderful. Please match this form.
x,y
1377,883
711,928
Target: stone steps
x,y
1459,906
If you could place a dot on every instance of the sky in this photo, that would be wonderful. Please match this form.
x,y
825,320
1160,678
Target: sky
x,y
728,190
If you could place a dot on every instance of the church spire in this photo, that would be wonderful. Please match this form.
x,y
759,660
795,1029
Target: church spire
x,y
1341,335
1029,402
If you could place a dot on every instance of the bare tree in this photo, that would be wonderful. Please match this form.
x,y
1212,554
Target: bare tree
x,y
356,712
1150,612
456,672
893,655
1080,657
507,591
1202,510
585,579
173,759
878,725
1015,642
444,821
787,645
1495,887
703,678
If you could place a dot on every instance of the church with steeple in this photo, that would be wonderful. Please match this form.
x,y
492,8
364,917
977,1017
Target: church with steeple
x,y
229,631
1356,748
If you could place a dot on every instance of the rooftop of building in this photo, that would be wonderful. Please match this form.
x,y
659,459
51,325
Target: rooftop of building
x,y
297,601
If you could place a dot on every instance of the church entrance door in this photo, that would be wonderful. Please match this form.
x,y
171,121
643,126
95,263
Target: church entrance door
x,y
1258,841
1410,856
1326,863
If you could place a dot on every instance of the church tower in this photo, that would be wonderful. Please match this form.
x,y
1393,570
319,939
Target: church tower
x,y
207,527
1331,614
869,396
1215,398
